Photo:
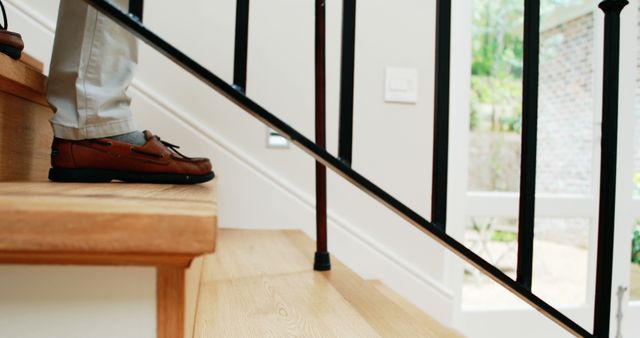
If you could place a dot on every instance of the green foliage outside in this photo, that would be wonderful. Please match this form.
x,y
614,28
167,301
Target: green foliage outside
x,y
635,244
496,70
496,88
504,236
486,226
496,83
636,180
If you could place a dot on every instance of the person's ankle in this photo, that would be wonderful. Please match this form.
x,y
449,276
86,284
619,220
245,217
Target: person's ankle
x,y
135,137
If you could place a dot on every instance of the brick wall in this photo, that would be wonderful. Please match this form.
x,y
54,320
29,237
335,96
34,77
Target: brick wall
x,y
566,108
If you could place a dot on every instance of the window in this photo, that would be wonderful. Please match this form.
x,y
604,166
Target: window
x,y
636,182
496,86
634,287
560,262
635,263
566,100
566,107
566,148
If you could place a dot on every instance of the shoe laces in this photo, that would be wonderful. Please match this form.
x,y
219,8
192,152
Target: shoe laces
x,y
173,147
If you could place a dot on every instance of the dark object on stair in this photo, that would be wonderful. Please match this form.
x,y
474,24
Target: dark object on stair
x,y
10,42
104,160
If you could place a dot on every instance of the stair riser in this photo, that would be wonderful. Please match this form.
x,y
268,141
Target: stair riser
x,y
25,139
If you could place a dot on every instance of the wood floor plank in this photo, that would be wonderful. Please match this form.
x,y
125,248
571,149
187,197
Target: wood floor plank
x,y
414,312
301,304
253,253
261,284
388,318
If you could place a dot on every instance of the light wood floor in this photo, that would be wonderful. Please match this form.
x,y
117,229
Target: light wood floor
x,y
260,284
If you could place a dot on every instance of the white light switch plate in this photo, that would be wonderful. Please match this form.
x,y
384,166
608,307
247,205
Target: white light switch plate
x,y
401,85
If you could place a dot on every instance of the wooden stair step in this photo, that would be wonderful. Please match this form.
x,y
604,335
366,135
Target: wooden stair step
x,y
387,315
25,133
413,311
21,78
32,62
258,284
110,223
261,283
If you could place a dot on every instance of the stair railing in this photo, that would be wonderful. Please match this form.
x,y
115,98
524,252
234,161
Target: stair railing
x,y
436,228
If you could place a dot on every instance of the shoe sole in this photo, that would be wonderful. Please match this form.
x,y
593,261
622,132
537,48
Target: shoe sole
x,y
13,52
104,176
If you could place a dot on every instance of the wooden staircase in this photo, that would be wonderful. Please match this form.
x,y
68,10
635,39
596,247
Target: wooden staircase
x,y
163,226
260,283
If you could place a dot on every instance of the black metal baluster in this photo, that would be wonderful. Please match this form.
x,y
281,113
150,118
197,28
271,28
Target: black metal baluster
x,y
441,115
529,141
345,137
136,8
322,260
241,45
609,145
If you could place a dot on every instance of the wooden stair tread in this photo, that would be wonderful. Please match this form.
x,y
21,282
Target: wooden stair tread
x,y
388,317
261,283
22,79
107,219
413,311
32,62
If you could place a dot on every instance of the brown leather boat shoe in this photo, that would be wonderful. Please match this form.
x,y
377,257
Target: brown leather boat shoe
x,y
10,42
104,160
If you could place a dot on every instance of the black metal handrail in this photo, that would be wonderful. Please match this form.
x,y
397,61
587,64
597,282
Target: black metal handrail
x,y
521,287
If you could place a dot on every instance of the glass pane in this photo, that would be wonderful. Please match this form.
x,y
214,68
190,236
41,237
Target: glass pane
x,y
560,261
566,100
496,86
635,263
496,240
636,191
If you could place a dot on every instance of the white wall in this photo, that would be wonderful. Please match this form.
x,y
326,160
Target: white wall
x,y
261,188
77,302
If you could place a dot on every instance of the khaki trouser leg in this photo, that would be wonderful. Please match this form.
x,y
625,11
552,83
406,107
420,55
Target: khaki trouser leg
x,y
92,66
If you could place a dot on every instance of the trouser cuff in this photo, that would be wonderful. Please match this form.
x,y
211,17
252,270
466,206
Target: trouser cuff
x,y
96,131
